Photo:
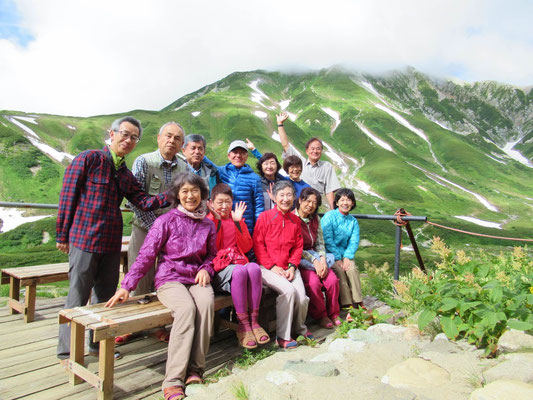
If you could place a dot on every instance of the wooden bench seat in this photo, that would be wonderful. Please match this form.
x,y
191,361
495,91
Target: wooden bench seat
x,y
106,324
30,277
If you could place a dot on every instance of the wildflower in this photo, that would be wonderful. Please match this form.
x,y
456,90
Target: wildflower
x,y
419,274
519,252
401,288
503,277
469,278
438,246
462,258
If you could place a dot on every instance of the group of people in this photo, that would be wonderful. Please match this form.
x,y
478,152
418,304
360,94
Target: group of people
x,y
200,228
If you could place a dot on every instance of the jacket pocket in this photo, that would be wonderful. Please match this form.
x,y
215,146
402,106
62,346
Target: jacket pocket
x,y
155,185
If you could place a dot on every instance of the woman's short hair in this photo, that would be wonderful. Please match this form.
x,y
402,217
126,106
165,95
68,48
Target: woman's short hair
x,y
292,161
264,157
221,188
283,184
344,192
181,179
304,195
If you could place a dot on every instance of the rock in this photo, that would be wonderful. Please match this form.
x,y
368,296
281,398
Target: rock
x,y
317,368
191,390
502,390
441,336
279,378
514,340
387,329
330,357
441,346
412,332
416,373
346,346
360,335
513,368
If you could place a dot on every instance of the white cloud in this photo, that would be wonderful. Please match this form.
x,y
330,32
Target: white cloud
x,y
112,56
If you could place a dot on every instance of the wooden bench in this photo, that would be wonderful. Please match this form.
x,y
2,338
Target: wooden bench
x,y
30,277
106,324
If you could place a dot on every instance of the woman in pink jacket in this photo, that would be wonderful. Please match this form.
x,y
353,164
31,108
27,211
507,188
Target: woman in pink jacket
x,y
183,243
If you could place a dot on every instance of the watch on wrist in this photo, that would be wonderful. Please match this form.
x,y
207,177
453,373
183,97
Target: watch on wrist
x,y
280,125
291,265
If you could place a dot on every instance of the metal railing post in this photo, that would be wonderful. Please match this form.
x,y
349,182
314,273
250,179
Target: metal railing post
x,y
397,253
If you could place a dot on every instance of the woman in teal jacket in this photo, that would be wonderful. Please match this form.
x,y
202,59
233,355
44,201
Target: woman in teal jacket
x,y
341,236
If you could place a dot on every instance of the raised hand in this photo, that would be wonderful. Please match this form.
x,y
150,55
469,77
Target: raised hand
x,y
282,117
212,209
240,208
249,144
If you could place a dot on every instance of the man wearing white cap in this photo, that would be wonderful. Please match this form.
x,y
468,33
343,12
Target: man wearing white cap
x,y
244,182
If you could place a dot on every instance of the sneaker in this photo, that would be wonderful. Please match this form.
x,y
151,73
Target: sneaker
x,y
309,335
287,344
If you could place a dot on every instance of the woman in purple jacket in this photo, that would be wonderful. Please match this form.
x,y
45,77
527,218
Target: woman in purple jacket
x,y
184,243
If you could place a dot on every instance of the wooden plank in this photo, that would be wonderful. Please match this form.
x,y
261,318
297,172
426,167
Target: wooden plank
x,y
16,306
134,323
77,347
48,278
36,270
14,293
106,365
29,301
17,352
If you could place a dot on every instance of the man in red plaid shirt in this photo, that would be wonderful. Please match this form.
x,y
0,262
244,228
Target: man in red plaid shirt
x,y
89,221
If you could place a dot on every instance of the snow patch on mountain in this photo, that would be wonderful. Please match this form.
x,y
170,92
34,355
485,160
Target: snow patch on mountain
x,y
196,113
444,181
515,154
275,136
496,159
12,217
260,114
72,128
376,140
333,114
365,188
284,104
370,88
31,120
480,222
416,131
36,141
258,95
337,159
292,116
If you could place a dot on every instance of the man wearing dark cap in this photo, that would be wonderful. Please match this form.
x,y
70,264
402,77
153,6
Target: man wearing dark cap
x,y
244,182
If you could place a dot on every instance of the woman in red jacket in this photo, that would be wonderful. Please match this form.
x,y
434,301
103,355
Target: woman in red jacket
x,y
234,274
278,245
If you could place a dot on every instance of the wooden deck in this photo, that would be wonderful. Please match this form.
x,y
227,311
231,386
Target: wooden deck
x,y
29,368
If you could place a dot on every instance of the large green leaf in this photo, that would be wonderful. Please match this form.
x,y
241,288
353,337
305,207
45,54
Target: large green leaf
x,y
448,326
519,325
448,303
425,317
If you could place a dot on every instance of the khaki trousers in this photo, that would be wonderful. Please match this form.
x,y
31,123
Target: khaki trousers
x,y
291,303
349,285
192,307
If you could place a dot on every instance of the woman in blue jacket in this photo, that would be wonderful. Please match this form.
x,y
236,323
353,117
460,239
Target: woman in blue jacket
x,y
341,236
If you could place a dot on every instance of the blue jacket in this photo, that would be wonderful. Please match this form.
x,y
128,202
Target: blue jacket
x,y
246,186
341,234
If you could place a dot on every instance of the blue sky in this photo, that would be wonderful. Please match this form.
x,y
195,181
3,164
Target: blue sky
x,y
10,24
94,57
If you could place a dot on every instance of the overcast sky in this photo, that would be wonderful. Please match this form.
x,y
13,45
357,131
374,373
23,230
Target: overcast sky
x,y
99,57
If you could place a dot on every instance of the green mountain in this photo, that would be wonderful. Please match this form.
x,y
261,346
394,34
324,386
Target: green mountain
x,y
435,147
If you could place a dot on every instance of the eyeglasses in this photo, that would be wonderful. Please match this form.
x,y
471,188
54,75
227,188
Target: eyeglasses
x,y
128,135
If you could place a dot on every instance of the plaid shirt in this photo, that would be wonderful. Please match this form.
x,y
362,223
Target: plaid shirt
x,y
89,216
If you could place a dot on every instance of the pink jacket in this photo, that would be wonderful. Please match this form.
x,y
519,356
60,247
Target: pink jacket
x,y
182,246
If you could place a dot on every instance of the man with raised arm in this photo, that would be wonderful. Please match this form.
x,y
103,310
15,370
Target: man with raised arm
x,y
317,173
194,152
89,220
